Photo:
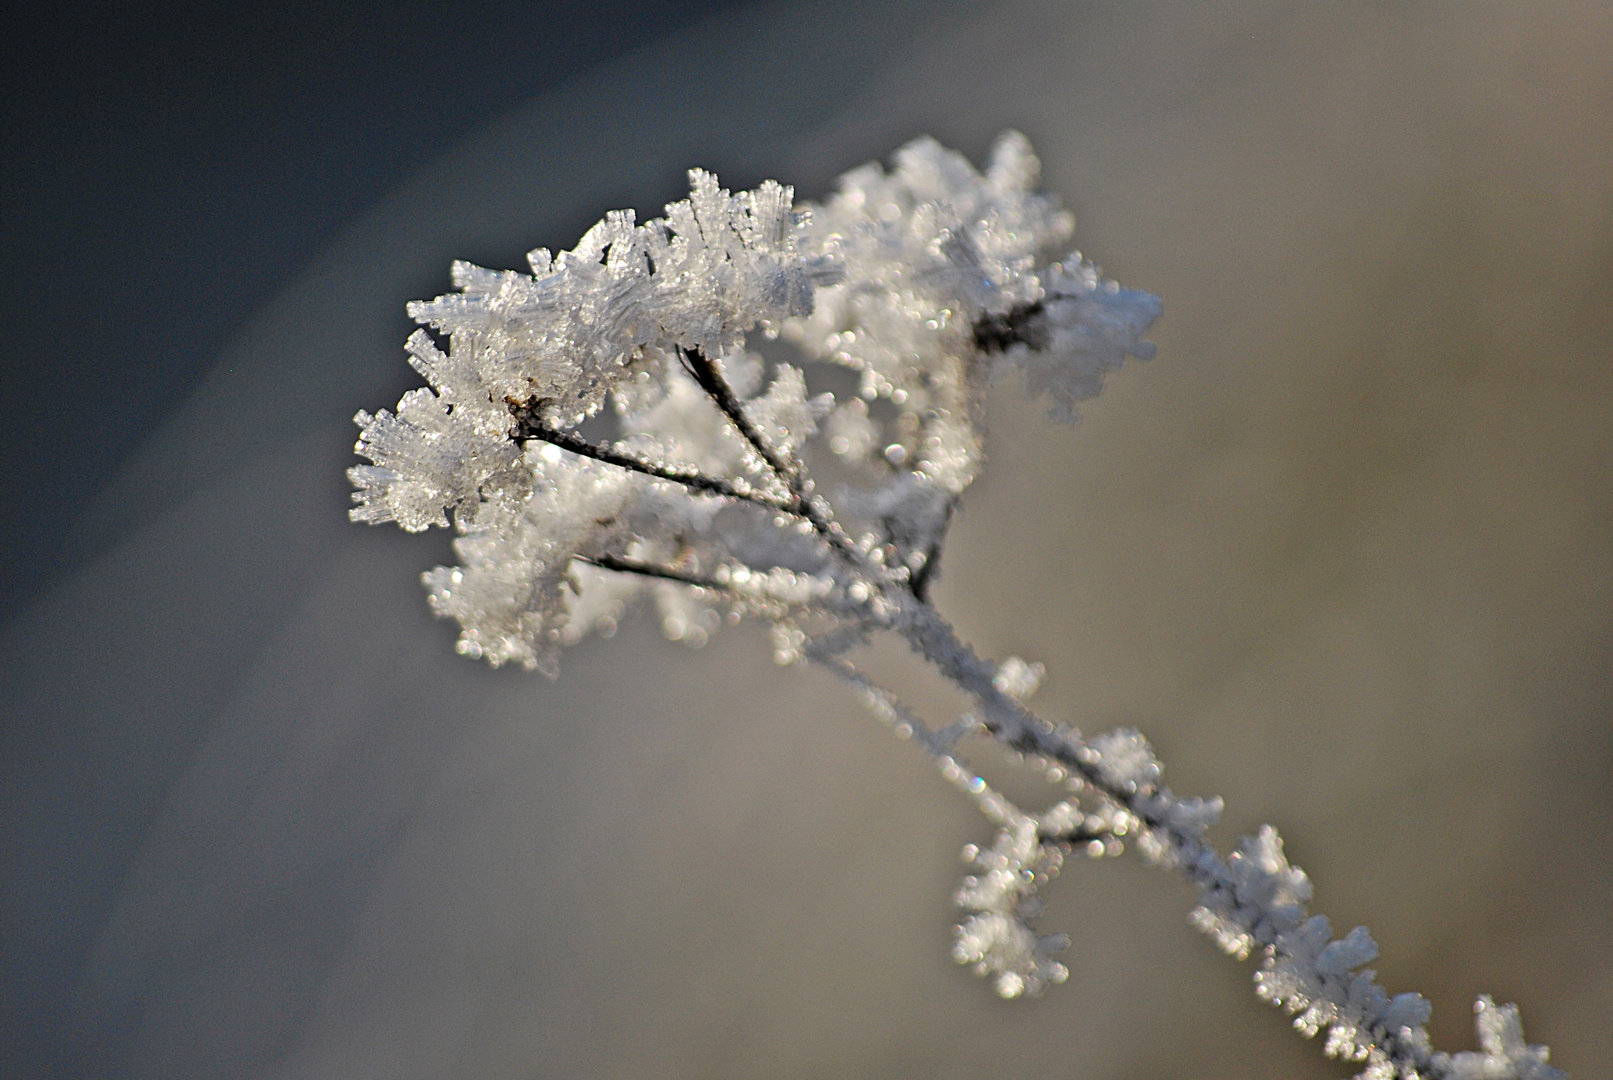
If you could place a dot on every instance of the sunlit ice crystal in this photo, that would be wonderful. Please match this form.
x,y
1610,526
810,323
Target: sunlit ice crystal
x,y
1503,1053
928,248
509,596
714,267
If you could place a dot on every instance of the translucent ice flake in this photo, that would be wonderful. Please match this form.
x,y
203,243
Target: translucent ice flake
x,y
1262,877
699,279
442,451
1083,329
1010,954
1018,679
1186,818
687,615
851,433
1348,953
596,602
785,415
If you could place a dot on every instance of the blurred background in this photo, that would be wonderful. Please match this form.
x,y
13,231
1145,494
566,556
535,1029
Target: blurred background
x,y
1343,550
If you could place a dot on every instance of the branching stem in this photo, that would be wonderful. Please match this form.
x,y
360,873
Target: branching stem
x,y
710,379
529,427
825,593
919,584
788,471
1017,728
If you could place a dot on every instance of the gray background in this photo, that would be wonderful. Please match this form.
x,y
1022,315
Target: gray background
x,y
1342,550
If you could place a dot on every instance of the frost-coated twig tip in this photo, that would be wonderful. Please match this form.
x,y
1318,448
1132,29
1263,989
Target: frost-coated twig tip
x,y
697,491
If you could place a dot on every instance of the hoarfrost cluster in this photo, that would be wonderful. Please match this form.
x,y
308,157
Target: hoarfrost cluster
x,y
603,431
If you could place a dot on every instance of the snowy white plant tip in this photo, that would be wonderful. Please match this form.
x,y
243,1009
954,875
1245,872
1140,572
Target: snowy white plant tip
x,y
601,430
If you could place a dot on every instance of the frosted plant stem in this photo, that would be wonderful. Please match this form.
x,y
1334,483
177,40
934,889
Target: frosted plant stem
x,y
1253,899
884,705
924,576
711,380
650,570
905,724
1018,326
529,428
928,280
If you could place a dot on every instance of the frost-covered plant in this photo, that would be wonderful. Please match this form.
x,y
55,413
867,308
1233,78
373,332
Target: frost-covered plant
x,y
693,490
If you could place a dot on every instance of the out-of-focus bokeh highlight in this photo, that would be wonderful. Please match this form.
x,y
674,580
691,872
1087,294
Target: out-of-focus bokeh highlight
x,y
1343,550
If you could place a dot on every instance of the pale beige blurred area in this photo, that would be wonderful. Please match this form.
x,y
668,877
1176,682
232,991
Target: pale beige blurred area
x,y
1343,550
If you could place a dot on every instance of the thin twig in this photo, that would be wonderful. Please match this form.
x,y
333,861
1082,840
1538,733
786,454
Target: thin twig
x,y
882,703
919,584
1020,325
939,745
528,426
653,570
711,380
802,502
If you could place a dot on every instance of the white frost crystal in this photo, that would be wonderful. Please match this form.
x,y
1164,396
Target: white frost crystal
x,y
1018,679
1125,759
442,451
1503,1052
1087,329
929,250
510,594
890,277
563,336
695,488
714,267
996,939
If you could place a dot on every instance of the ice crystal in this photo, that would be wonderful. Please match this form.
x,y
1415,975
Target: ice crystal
x,y
1085,329
442,451
510,594
937,258
1125,760
1018,679
694,492
1503,1051
997,939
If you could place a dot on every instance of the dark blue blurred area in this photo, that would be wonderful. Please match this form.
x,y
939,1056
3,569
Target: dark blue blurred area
x,y
166,167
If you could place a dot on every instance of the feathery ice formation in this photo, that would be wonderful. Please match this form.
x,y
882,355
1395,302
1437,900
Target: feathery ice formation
x,y
695,487
923,279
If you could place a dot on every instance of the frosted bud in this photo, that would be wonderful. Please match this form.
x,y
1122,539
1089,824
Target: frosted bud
x,y
1085,328
1018,679
1125,760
